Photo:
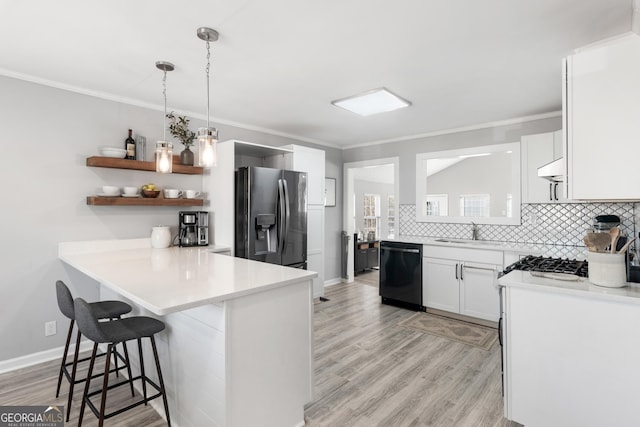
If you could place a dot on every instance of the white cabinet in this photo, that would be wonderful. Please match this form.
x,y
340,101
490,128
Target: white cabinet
x,y
570,360
462,280
538,150
441,286
601,107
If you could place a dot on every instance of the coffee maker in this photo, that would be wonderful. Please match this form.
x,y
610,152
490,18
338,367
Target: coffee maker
x,y
193,228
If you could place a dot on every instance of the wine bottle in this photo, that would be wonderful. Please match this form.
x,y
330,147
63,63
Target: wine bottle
x,y
130,146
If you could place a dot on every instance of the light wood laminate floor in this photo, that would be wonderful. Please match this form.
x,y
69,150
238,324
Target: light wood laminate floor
x,y
368,372
371,372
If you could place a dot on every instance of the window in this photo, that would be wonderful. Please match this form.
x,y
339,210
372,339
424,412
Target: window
x,y
474,205
371,214
391,216
437,204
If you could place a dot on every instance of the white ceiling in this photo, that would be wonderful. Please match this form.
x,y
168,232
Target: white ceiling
x,y
279,63
382,174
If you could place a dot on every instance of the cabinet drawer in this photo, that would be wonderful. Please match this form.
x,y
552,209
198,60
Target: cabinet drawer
x,y
464,254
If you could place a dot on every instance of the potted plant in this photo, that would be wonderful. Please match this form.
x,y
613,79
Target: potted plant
x,y
179,128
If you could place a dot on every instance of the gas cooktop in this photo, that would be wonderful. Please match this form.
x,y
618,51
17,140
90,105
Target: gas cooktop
x,y
550,265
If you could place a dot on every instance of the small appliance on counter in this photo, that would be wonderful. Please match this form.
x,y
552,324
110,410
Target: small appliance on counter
x,y
193,228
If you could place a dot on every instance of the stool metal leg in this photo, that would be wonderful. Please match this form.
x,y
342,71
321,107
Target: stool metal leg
x,y
64,357
105,385
87,383
143,379
162,390
128,363
73,374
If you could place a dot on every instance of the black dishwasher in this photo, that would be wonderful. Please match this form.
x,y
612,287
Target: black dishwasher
x,y
401,274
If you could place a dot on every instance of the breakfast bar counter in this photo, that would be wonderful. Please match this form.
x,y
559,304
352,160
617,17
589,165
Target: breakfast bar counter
x,y
238,347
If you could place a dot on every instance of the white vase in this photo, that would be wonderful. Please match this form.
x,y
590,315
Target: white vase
x,y
160,237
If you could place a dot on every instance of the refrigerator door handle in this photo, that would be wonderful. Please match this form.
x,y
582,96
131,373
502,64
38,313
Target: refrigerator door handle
x,y
281,218
287,215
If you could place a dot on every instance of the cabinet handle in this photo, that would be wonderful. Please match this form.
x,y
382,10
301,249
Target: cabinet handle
x,y
555,191
461,267
479,268
551,191
456,271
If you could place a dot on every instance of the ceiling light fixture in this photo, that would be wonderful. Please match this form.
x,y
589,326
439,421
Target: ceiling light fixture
x,y
164,149
372,102
207,137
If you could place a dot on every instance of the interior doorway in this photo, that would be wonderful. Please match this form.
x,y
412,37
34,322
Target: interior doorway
x,y
363,181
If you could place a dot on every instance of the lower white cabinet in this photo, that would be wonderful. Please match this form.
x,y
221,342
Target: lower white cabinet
x,y
462,281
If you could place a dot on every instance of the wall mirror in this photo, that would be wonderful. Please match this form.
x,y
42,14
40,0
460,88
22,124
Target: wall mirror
x,y
476,184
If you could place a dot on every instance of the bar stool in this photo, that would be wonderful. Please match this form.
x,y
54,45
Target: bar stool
x,y
112,333
104,310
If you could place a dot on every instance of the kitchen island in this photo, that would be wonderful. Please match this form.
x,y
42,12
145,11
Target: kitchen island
x,y
571,351
238,347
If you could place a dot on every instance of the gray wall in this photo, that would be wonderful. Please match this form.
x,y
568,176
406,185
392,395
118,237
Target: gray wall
x,y
47,134
407,150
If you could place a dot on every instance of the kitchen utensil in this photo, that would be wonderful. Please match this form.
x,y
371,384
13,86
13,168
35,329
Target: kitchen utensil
x,y
110,190
599,240
130,191
626,246
615,235
588,243
160,237
606,222
172,193
117,153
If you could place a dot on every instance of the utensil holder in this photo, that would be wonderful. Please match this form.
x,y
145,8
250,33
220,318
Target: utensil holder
x,y
607,269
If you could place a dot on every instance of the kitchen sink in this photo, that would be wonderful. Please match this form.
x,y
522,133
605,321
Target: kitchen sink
x,y
468,242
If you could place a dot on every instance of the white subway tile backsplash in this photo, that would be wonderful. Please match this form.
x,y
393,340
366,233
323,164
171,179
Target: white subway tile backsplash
x,y
549,224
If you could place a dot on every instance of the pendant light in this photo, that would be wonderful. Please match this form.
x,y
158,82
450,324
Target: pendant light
x,y
207,137
164,149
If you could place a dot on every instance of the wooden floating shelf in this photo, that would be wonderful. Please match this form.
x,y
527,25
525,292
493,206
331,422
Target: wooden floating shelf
x,y
110,162
141,201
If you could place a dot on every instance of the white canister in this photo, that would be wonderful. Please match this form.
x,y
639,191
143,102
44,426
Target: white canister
x,y
606,269
160,237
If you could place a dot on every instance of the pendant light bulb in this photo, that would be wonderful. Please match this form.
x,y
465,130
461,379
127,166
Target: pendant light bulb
x,y
207,137
164,149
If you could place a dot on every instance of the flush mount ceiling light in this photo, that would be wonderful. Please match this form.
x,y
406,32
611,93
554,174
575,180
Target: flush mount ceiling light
x,y
372,102
164,149
207,137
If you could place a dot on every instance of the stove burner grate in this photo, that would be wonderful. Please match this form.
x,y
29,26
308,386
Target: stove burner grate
x,y
550,265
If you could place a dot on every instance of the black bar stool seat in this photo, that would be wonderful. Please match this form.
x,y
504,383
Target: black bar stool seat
x,y
112,333
104,310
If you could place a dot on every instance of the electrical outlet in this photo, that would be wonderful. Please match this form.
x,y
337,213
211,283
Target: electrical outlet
x,y
50,328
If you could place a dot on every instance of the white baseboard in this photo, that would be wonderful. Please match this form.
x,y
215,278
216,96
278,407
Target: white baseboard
x,y
332,282
40,357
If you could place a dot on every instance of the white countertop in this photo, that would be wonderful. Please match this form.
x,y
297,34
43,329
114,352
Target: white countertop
x,y
582,287
168,280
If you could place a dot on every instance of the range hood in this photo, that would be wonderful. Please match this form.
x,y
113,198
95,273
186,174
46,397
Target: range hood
x,y
553,171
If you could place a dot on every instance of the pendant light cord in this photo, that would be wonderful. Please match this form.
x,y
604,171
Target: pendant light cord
x,y
207,71
164,93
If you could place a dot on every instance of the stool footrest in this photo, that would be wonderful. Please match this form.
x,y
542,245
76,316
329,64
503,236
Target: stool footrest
x,y
84,359
96,411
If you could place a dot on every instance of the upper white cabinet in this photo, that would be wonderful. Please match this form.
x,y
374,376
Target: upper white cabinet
x,y
601,114
538,150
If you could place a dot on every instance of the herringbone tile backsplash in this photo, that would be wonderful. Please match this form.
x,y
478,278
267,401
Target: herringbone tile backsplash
x,y
549,224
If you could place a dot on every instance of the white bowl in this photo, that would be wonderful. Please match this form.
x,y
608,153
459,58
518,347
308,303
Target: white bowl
x,y
118,153
110,190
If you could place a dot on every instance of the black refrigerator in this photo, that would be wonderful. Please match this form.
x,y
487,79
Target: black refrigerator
x,y
271,216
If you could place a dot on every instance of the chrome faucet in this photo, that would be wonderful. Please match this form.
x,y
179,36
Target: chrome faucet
x,y
474,231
